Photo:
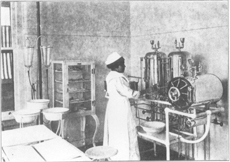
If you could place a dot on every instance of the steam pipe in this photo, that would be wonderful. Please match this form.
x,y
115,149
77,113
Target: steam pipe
x,y
167,111
141,70
38,51
208,112
215,110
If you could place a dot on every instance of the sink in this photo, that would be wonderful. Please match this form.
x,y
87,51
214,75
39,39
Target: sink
x,y
55,113
38,104
26,115
153,126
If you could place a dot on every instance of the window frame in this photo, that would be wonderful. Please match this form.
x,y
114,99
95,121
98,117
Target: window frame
x,y
8,115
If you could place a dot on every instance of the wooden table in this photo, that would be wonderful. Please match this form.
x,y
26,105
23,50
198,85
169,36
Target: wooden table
x,y
38,143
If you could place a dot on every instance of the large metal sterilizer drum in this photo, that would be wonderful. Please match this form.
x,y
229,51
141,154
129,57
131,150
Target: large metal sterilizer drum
x,y
183,92
155,72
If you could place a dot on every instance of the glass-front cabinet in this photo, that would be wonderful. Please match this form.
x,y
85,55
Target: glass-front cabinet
x,y
73,87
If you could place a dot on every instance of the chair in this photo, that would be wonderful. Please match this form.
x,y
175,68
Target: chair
x,y
101,153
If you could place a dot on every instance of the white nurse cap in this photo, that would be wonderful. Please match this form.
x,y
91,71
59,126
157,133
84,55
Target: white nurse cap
x,y
112,58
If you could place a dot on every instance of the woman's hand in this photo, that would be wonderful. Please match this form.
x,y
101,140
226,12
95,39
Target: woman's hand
x,y
137,95
143,93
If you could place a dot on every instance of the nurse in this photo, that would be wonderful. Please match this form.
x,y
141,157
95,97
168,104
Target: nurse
x,y
120,128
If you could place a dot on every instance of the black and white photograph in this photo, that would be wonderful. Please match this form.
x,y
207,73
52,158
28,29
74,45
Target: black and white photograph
x,y
114,80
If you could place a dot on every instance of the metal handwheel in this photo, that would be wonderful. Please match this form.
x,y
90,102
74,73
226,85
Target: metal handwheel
x,y
180,93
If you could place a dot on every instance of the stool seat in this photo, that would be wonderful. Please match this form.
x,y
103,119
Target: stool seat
x,y
101,152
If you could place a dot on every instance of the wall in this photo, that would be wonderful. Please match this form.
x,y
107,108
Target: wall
x,y
23,26
87,31
204,25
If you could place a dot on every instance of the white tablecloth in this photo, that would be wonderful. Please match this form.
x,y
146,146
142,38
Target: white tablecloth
x,y
38,143
26,135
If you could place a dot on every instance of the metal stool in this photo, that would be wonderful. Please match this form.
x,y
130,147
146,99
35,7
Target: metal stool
x,y
101,153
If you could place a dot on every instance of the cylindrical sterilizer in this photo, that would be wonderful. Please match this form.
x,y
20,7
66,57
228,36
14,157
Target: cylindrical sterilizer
x,y
187,86
155,72
183,92
188,91
176,78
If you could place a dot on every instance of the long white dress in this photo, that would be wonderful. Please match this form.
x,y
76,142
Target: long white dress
x,y
119,127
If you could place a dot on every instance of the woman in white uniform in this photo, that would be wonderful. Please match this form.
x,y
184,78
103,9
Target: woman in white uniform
x,y
120,128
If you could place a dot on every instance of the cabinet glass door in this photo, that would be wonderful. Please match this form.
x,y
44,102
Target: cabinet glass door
x,y
73,85
58,85
79,87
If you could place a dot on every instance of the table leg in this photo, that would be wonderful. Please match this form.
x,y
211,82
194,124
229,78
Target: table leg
x,y
155,148
83,122
96,129
62,128
167,152
204,145
186,151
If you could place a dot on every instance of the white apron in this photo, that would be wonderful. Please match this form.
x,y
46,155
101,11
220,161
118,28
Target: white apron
x,y
119,127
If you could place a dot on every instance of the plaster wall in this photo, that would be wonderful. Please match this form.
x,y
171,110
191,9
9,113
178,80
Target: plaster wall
x,y
204,25
23,26
88,31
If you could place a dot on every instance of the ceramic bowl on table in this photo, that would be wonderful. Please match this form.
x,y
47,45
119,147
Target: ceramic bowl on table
x,y
153,126
26,115
55,113
38,104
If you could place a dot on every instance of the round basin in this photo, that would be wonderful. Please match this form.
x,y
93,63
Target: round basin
x,y
54,114
26,115
38,104
153,126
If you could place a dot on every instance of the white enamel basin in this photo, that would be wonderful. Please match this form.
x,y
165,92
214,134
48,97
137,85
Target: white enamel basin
x,y
38,104
55,113
153,126
26,115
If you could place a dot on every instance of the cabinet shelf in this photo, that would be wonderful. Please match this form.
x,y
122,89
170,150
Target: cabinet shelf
x,y
58,81
78,91
58,71
75,91
74,81
71,71
59,91
78,101
79,80
61,102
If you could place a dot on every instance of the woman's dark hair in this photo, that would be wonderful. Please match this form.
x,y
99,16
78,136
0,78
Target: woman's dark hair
x,y
115,64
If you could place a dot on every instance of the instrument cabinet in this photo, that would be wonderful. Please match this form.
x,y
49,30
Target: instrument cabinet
x,y
73,87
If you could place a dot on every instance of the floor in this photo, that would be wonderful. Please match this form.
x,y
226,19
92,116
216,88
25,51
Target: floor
x,y
146,152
